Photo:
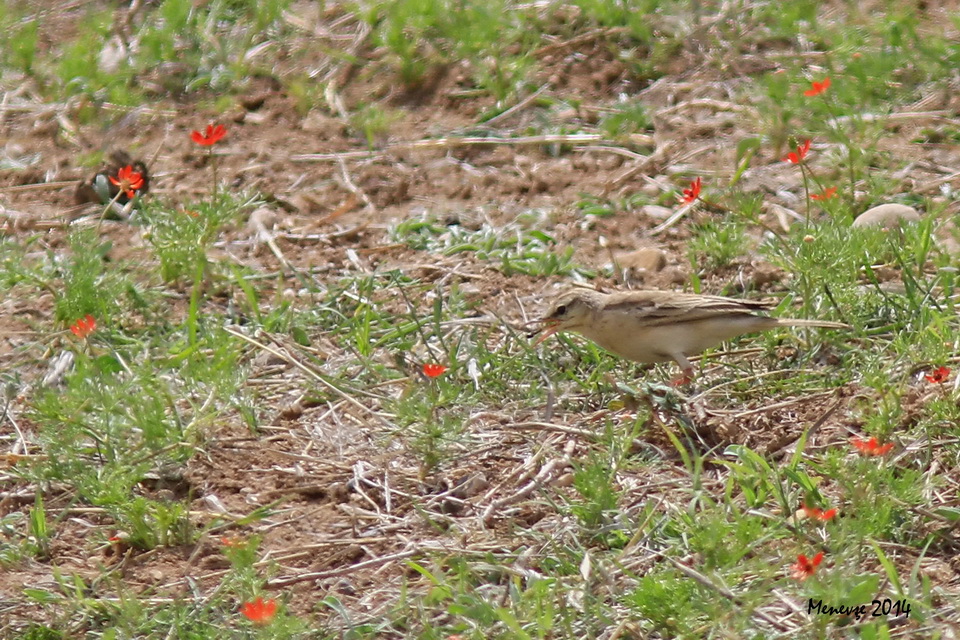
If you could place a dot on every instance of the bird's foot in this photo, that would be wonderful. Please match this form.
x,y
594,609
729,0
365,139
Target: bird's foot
x,y
683,379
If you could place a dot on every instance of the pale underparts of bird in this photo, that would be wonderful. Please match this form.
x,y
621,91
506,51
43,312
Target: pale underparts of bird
x,y
659,326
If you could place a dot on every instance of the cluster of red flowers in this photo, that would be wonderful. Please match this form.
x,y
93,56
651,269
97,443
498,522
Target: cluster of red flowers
x,y
84,326
816,88
260,612
815,513
693,193
828,193
434,370
213,135
805,567
871,447
795,157
938,375
130,181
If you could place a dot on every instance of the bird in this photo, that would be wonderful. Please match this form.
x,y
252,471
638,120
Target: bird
x,y
659,326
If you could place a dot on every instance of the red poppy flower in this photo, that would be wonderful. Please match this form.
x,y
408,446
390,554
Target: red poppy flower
x,y
260,612
214,134
819,514
84,326
816,88
691,194
128,181
433,370
800,154
938,375
803,568
828,193
870,447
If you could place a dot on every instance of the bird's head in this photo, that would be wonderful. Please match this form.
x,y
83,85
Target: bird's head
x,y
570,312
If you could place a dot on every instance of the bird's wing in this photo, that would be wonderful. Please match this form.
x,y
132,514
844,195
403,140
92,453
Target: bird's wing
x,y
664,307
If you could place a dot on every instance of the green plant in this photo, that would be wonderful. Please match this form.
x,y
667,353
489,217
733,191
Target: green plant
x,y
511,248
181,235
373,122
717,244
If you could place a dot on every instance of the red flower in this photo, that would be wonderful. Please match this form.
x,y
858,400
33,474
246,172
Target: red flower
x,y
803,568
828,193
938,375
128,181
816,88
433,370
800,154
870,447
260,612
818,514
231,541
84,326
691,194
213,135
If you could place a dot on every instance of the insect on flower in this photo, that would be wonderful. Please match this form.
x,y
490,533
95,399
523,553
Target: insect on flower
x,y
828,193
805,567
433,370
938,375
260,612
816,88
213,135
84,326
795,157
693,193
870,447
128,181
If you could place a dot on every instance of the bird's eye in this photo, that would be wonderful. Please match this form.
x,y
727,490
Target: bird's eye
x,y
561,310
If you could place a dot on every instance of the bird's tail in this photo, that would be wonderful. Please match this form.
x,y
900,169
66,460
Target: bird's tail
x,y
823,324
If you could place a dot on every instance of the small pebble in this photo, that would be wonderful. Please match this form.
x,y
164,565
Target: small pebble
x,y
886,215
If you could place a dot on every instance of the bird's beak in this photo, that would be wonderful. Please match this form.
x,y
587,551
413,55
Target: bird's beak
x,y
550,328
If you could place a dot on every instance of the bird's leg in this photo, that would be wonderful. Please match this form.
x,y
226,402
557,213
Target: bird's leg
x,y
686,368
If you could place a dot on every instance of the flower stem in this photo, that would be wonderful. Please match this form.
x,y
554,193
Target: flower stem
x,y
849,145
806,187
213,163
107,208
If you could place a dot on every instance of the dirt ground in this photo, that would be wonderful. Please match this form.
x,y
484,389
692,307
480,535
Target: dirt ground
x,y
345,513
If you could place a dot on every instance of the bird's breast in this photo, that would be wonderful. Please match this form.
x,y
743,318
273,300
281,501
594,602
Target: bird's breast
x,y
636,339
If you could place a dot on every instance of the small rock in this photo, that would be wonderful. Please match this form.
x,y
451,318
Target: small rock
x,y
254,117
261,219
674,275
254,101
656,211
643,266
291,411
887,215
651,189
470,486
645,260
765,274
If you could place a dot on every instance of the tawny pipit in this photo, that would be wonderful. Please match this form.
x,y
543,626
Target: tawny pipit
x,y
659,326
